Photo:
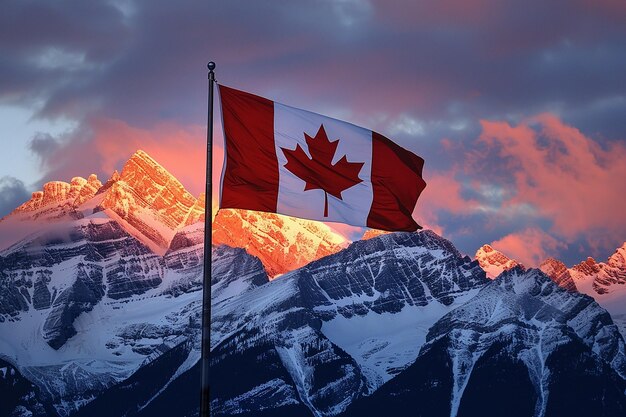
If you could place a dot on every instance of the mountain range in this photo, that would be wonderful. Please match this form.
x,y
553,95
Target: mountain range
x,y
100,312
604,281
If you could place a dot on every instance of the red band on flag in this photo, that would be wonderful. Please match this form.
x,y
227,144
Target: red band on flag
x,y
397,183
250,179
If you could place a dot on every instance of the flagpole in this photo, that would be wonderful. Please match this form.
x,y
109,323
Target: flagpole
x,y
205,403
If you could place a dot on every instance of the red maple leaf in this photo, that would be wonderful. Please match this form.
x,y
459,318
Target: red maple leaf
x,y
318,172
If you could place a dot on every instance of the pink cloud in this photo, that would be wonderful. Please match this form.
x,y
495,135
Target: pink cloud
x,y
178,148
442,194
569,178
530,246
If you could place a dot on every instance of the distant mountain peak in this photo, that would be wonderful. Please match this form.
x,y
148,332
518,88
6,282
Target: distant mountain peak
x,y
618,259
494,262
58,197
587,267
607,280
559,273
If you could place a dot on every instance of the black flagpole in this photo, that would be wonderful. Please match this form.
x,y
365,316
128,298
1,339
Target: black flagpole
x,y
205,403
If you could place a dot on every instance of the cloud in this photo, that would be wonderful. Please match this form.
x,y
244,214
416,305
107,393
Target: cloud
x,y
43,144
529,246
72,59
102,145
564,175
441,197
132,61
12,194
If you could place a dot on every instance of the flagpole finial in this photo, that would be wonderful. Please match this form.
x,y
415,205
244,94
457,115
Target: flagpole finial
x,y
211,66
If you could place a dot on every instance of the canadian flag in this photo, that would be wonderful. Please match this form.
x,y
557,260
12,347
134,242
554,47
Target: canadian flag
x,y
286,160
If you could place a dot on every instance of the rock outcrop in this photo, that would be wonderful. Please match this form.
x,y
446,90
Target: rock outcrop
x,y
493,261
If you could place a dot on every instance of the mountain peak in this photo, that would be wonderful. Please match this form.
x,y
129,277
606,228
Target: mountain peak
x,y
618,259
494,262
587,267
559,273
149,201
59,197
486,248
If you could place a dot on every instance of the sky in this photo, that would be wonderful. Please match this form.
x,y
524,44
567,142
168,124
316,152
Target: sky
x,y
517,107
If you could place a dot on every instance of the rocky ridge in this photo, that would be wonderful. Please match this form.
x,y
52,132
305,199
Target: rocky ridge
x,y
559,273
494,262
524,346
282,243
59,198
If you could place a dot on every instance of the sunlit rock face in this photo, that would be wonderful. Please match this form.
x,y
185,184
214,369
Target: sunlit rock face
x,y
149,199
370,233
558,272
58,199
282,243
493,261
602,277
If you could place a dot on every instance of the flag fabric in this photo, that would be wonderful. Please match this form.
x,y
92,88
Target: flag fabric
x,y
290,161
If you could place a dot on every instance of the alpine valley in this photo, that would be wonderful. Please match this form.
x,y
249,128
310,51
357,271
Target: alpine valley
x,y
100,311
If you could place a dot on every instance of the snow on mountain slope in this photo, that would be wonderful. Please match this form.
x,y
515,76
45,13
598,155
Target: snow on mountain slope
x,y
151,205
282,243
361,314
83,303
521,347
605,282
494,262
402,284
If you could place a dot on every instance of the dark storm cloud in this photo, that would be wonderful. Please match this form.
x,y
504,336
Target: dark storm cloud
x,y
144,61
138,61
12,194
43,144
483,58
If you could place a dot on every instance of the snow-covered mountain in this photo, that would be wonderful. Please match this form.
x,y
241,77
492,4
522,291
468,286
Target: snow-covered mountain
x,y
339,327
312,341
58,198
151,205
149,202
84,279
400,324
494,262
604,281
522,346
100,301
